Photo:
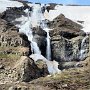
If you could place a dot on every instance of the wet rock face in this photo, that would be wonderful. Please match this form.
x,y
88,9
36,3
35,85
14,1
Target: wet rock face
x,y
69,49
40,37
62,49
41,41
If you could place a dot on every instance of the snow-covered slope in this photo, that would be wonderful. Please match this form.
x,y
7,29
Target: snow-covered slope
x,y
75,13
8,3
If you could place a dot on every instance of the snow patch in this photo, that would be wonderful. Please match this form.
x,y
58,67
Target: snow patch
x,y
52,65
7,3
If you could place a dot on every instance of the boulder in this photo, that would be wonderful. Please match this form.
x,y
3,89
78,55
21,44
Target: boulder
x,y
26,70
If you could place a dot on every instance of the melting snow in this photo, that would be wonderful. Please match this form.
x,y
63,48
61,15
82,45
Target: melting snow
x,y
7,3
52,65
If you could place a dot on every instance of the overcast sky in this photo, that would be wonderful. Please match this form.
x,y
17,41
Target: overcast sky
x,y
80,2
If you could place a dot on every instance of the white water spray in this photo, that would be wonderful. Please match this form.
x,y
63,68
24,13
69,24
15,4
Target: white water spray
x,y
83,50
51,65
39,20
48,48
36,15
26,28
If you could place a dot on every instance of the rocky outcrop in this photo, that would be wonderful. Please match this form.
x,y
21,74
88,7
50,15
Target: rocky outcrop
x,y
66,39
12,13
66,36
65,27
25,69
62,49
11,39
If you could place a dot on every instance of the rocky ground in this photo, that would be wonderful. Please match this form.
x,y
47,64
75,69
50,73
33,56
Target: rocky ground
x,y
69,79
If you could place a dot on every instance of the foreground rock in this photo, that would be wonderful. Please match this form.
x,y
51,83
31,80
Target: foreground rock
x,y
26,70
71,79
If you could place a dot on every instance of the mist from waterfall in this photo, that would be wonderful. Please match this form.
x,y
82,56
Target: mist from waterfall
x,y
26,28
83,50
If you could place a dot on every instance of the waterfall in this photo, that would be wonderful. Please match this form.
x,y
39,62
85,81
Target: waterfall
x,y
48,48
46,29
83,50
39,20
34,19
52,66
36,15
26,28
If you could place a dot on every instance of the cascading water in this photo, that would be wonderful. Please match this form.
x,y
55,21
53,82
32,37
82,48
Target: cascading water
x,y
45,28
39,20
36,18
48,48
36,15
26,28
83,50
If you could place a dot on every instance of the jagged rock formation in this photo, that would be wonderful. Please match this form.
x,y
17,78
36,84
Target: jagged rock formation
x,y
65,27
64,30
66,38
11,39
